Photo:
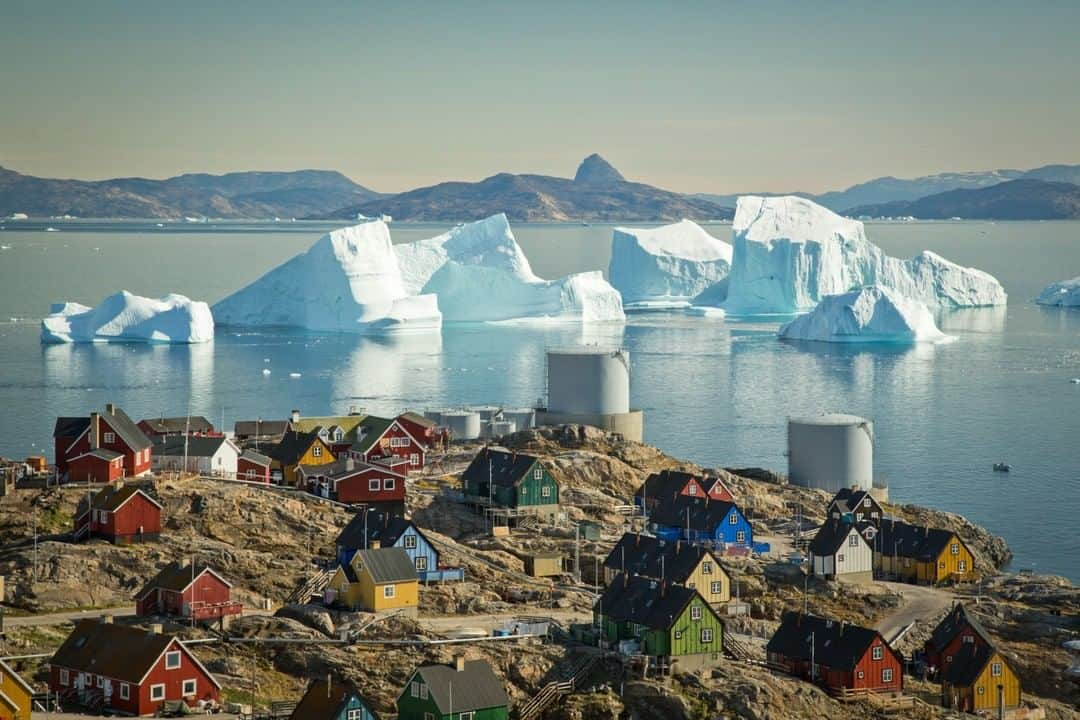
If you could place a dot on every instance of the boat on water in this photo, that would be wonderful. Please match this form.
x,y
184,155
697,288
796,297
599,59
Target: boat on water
x,y
1002,467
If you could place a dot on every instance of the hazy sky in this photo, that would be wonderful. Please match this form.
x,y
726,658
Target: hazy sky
x,y
691,96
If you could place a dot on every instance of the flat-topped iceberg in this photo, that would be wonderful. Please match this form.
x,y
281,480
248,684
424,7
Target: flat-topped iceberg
x,y
790,253
480,274
124,317
668,266
348,281
873,314
1061,294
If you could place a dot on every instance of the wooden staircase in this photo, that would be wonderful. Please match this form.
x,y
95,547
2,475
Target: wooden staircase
x,y
553,691
738,650
314,585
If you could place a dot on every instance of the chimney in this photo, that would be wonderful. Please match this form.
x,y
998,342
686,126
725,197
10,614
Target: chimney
x,y
295,416
459,663
156,629
374,545
95,439
106,619
350,464
329,684
110,408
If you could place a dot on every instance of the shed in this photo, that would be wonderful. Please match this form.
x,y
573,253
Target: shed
x,y
546,564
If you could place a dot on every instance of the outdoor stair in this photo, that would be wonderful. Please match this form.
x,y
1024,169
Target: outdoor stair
x,y
738,650
312,586
551,692
81,533
528,522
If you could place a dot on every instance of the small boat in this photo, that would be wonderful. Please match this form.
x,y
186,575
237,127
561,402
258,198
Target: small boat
x,y
1002,467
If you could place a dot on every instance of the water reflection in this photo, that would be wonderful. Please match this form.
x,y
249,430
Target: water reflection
x,y
1061,320
973,320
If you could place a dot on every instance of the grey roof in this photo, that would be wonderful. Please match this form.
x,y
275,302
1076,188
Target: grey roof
x,y
257,458
968,664
847,499
260,428
645,601
475,687
197,445
830,538
129,432
193,423
387,565
380,526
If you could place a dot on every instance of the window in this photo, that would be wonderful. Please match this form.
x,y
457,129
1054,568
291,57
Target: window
x,y
948,658
429,716
125,691
907,562
941,564
414,459
886,675
874,514
866,502
410,542
355,714
706,568
853,541
969,639
706,635
716,588
389,591
695,612
954,548
678,634
100,681
316,451
110,438
545,491
861,674
421,563
339,435
65,677
423,691
692,490
172,660
414,689
466,716
740,537
995,669
388,484
157,692
538,474
691,585
982,690
524,490
374,485
733,519
840,558
879,652
188,688
961,565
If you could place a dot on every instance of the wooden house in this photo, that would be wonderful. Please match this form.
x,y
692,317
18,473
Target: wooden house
x,y
356,482
16,696
856,507
466,690
840,552
426,430
513,481
187,425
923,555
188,591
332,699
692,566
375,580
660,486
835,654
701,520
296,449
980,680
957,629
258,431
371,529
380,438
122,514
253,467
96,466
111,430
671,624
128,670
212,455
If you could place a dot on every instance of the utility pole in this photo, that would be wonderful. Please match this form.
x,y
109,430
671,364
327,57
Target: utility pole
x,y
35,546
577,551
812,668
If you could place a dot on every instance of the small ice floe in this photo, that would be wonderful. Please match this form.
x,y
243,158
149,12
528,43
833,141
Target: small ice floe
x,y
294,374
160,224
51,229
266,360
266,371
4,247
1075,381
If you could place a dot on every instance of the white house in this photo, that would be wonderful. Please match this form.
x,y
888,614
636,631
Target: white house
x,y
205,455
840,552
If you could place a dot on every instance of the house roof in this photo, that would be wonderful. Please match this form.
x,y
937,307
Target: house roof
x,y
645,601
111,497
381,527
374,428
912,541
121,652
292,446
125,427
177,577
386,565
952,624
345,467
418,419
968,663
193,423
651,557
325,700
196,445
848,499
831,537
836,644
260,428
256,458
348,423
101,454
505,468
701,514
474,687
70,427
665,483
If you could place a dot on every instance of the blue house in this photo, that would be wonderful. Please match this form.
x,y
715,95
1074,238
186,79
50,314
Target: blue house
x,y
370,529
330,699
701,520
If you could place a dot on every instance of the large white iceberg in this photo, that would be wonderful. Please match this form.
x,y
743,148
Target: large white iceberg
x,y
124,317
790,253
871,314
480,274
668,266
348,281
1061,294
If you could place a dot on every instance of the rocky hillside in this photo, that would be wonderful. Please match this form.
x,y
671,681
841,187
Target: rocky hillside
x,y
1023,199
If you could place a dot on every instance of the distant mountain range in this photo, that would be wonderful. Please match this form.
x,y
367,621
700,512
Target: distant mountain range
x,y
598,193
243,195
1024,199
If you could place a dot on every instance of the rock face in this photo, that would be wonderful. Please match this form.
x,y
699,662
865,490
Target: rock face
x,y
789,253
869,315
595,170
668,266
348,281
1061,294
124,317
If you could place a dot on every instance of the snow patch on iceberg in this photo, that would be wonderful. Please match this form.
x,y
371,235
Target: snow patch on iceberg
x,y
1061,294
790,253
668,266
348,281
873,314
125,317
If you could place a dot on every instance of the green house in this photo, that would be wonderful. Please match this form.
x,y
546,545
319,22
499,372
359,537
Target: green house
x,y
330,699
506,479
671,623
466,690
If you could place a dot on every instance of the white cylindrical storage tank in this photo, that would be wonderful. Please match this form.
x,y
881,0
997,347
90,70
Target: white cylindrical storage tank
x,y
831,452
434,415
463,424
487,412
523,418
498,428
588,381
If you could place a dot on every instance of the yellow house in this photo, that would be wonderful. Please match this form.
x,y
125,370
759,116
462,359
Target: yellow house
x,y
979,678
15,695
299,448
376,580
677,562
923,555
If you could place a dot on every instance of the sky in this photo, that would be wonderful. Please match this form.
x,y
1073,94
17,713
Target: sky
x,y
691,96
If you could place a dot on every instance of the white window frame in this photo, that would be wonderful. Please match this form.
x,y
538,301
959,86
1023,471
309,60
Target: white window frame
x,y
695,612
878,652
716,587
545,491
389,592
108,438
982,690
970,639
861,674
423,691
961,565
355,714
410,542
853,541
194,687
866,502
421,563
157,692
840,558
65,677
706,568
740,537
692,490
414,458
179,660
374,485
414,689
125,691
467,715
955,548
99,681
316,451
678,634
733,519
538,473
995,669
388,484
706,635
886,675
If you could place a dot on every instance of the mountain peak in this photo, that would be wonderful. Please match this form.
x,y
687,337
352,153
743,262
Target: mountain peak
x,y
597,171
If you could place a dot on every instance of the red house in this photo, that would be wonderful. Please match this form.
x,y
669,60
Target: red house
x,y
128,670
381,438
184,590
122,514
253,466
112,430
837,655
955,630
424,429
97,466
667,484
352,481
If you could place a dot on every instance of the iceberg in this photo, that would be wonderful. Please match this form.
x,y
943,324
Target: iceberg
x,y
790,253
873,314
668,266
481,274
348,281
1061,294
124,317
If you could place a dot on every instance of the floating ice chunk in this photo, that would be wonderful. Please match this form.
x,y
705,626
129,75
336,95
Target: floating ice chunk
x,y
266,371
872,314
124,317
294,374
1061,294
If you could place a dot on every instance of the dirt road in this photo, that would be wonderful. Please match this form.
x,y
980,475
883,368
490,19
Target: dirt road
x,y
920,604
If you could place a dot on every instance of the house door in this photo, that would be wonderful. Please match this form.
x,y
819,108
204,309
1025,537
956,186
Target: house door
x,y
107,691
80,682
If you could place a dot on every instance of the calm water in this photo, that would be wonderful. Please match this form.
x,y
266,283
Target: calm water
x,y
715,392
